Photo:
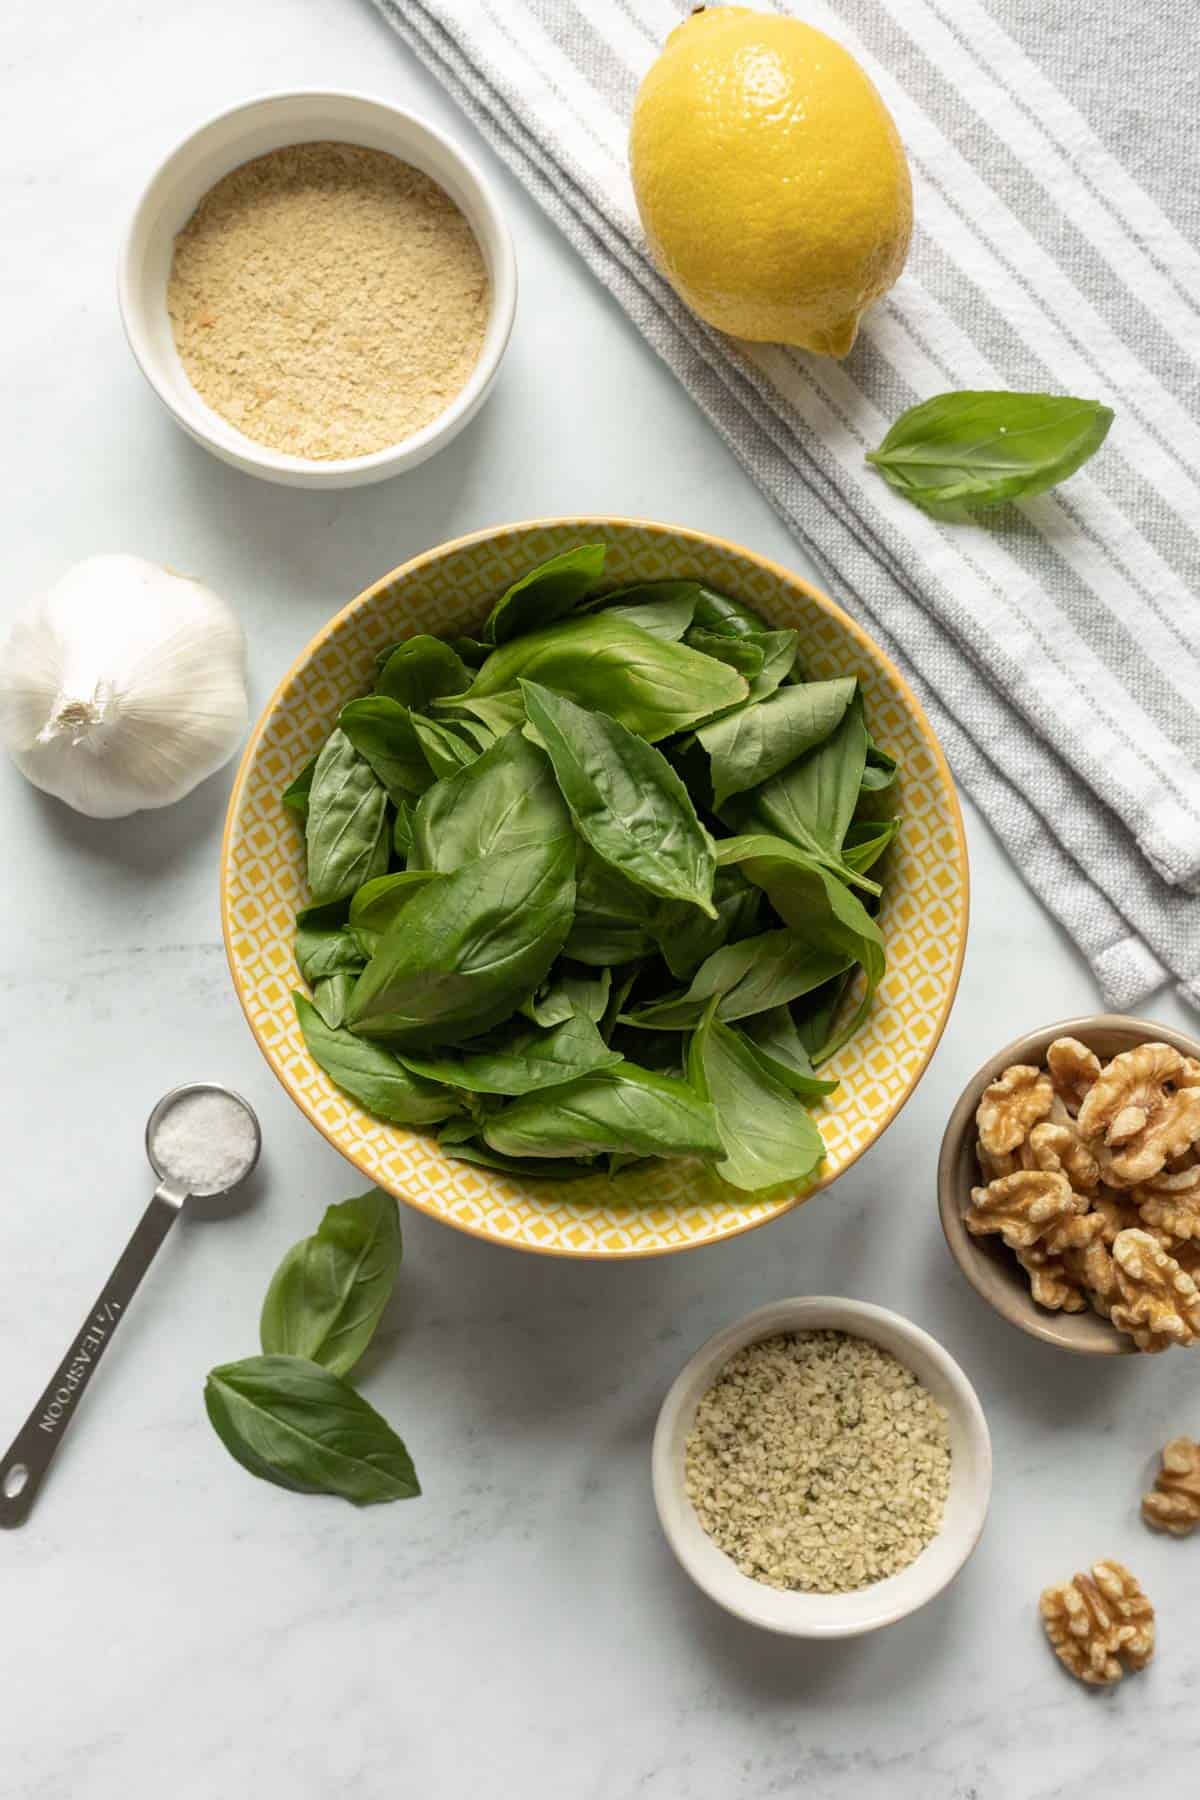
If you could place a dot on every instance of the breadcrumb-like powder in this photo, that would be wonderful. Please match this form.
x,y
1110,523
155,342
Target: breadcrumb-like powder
x,y
328,300
817,1461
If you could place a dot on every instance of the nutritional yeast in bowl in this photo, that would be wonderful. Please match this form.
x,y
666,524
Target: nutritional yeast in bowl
x,y
327,299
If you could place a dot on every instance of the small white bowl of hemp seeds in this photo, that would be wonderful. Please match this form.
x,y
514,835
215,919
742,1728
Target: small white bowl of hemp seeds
x,y
319,287
821,1468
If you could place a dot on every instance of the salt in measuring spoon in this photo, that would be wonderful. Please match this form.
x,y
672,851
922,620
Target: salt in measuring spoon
x,y
202,1140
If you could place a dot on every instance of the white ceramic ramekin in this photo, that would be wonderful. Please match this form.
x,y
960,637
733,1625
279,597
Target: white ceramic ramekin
x,y
252,129
827,1615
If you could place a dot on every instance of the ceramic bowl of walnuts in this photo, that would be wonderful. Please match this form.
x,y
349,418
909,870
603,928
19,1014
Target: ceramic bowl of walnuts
x,y
1069,1185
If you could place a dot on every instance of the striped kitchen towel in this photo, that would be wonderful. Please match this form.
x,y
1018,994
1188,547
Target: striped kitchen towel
x,y
1057,648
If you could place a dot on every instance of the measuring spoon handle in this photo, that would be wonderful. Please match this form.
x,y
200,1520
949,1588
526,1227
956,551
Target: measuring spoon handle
x,y
24,1465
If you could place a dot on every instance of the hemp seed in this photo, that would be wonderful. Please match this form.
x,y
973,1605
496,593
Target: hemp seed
x,y
818,1462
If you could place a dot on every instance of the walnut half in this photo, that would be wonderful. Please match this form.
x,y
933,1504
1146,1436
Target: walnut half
x,y
1159,1303
1174,1505
1101,1625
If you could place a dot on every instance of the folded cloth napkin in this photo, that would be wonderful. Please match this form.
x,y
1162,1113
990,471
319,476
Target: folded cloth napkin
x,y
1057,648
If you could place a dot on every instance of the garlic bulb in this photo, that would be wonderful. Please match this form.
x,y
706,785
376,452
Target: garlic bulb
x,y
122,687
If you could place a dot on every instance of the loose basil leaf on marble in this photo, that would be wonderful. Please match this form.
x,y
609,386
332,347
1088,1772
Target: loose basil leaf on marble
x,y
779,1045
569,991
346,830
865,842
745,654
528,1061
748,747
473,946
750,977
522,1168
651,687
663,608
296,1424
381,730
626,800
721,613
812,900
545,594
812,801
627,1109
331,997
420,670
369,1074
444,750
378,904
328,1294
767,1135
685,937
505,799
976,449
295,794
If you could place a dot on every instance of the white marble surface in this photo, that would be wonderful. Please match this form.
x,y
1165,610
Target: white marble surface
x,y
168,1624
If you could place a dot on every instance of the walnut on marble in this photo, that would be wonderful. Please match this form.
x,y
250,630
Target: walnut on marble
x,y
1174,1503
1100,1625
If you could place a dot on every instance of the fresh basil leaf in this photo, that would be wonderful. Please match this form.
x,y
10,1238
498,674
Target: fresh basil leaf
x,y
651,687
567,992
620,988
976,449
750,977
328,1294
749,746
442,747
813,1016
685,937
811,802
473,651
614,918
295,794
321,952
402,830
625,798
378,903
866,841
745,654
527,1062
767,1135
720,613
818,906
472,947
331,997
522,1168
779,1045
381,730
505,799
626,1109
292,1422
881,768
498,713
371,1075
421,670
545,593
663,608
346,829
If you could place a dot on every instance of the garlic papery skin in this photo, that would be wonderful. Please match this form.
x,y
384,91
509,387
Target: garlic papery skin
x,y
123,687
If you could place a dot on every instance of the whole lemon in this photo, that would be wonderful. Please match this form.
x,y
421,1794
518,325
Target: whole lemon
x,y
770,179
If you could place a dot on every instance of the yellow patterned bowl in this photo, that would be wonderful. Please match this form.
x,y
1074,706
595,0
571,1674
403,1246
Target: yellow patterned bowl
x,y
671,1206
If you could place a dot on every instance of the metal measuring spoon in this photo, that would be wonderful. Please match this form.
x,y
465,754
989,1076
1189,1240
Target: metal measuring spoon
x,y
23,1468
